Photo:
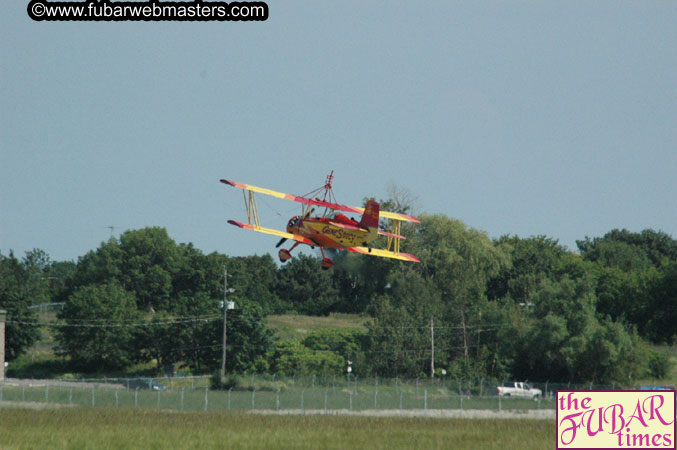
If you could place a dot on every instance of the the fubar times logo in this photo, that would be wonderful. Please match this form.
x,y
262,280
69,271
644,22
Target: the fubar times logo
x,y
616,419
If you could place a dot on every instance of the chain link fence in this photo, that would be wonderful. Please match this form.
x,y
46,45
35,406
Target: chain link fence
x,y
269,392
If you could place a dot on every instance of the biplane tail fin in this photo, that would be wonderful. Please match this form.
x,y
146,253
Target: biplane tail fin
x,y
370,215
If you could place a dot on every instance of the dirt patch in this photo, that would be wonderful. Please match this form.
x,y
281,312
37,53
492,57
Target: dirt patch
x,y
34,405
27,382
534,414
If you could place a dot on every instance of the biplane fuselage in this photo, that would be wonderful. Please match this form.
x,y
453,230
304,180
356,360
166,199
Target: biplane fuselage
x,y
331,233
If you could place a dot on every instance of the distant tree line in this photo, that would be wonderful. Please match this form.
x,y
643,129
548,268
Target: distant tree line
x,y
511,307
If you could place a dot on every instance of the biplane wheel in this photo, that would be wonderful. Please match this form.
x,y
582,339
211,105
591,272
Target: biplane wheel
x,y
327,263
284,255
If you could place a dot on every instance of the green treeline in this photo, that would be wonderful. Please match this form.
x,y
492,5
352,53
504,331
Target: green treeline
x,y
524,308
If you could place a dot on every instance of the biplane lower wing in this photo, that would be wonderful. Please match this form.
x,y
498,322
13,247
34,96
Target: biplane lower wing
x,y
279,233
383,253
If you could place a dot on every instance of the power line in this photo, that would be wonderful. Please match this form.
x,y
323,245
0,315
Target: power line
x,y
167,320
115,325
406,331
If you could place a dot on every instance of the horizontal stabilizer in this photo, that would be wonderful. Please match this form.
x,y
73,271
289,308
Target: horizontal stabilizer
x,y
392,235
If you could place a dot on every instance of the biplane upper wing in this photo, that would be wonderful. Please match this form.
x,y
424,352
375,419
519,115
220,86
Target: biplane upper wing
x,y
279,233
383,253
309,201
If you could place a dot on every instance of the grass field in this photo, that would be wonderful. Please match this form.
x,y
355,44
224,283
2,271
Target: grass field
x,y
109,428
295,327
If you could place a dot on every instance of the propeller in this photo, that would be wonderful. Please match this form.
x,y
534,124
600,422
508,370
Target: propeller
x,y
305,216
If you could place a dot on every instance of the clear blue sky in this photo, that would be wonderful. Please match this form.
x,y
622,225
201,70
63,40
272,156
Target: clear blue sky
x,y
527,118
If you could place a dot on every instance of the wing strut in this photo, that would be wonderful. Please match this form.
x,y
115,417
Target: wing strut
x,y
252,209
394,239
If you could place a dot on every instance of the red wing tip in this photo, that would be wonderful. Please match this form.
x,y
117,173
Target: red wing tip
x,y
232,183
411,218
237,224
409,257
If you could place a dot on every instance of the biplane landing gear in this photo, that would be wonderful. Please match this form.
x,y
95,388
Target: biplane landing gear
x,y
326,262
285,255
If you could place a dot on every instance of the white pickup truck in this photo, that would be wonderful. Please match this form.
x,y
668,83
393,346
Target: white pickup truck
x,y
519,389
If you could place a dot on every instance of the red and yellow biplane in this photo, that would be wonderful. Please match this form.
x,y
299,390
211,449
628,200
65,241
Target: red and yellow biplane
x,y
332,229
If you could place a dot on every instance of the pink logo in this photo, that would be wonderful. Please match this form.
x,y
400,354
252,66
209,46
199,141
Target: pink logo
x,y
616,419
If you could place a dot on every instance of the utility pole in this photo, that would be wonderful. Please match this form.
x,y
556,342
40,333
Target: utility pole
x,y
432,348
3,314
465,337
226,306
479,334
225,317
